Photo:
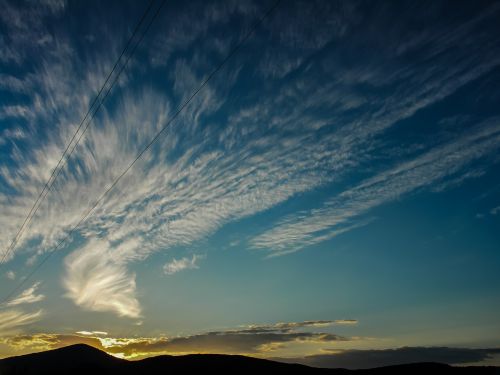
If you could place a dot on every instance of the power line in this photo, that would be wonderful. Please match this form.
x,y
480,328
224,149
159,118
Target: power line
x,y
231,53
56,171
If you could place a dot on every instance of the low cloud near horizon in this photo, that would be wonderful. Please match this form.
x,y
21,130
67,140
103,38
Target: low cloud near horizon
x,y
255,339
363,359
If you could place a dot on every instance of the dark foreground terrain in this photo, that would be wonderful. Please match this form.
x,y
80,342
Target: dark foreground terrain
x,y
83,359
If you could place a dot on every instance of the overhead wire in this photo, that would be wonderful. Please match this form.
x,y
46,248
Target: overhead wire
x,y
231,53
65,155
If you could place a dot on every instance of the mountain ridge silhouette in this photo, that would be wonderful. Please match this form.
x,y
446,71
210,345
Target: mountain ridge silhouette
x,y
85,359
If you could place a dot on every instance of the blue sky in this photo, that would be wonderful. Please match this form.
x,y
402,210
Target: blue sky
x,y
339,175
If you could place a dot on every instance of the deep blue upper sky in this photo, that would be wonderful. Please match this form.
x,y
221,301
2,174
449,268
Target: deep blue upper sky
x,y
341,172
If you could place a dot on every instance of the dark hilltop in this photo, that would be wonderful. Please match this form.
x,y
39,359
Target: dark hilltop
x,y
84,359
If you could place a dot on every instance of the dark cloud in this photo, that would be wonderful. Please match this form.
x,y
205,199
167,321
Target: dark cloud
x,y
224,342
359,359
249,339
291,326
244,340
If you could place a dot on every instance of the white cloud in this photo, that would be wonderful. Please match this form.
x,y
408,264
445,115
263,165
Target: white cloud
x,y
346,321
27,296
97,284
10,275
92,333
11,321
204,173
177,265
341,212
16,111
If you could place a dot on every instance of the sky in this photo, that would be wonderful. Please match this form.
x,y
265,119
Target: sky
x,y
330,196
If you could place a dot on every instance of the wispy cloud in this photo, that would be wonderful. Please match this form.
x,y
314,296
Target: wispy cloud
x,y
493,212
291,326
16,111
99,285
338,214
11,321
27,296
184,263
214,166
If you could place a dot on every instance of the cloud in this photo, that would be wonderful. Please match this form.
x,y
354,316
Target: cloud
x,y
290,326
28,343
10,275
12,320
92,333
360,359
181,34
27,296
219,342
225,342
346,321
98,285
249,340
493,211
213,166
13,84
177,265
337,214
15,111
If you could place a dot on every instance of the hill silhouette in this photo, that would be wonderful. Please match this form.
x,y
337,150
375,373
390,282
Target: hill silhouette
x,y
84,359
